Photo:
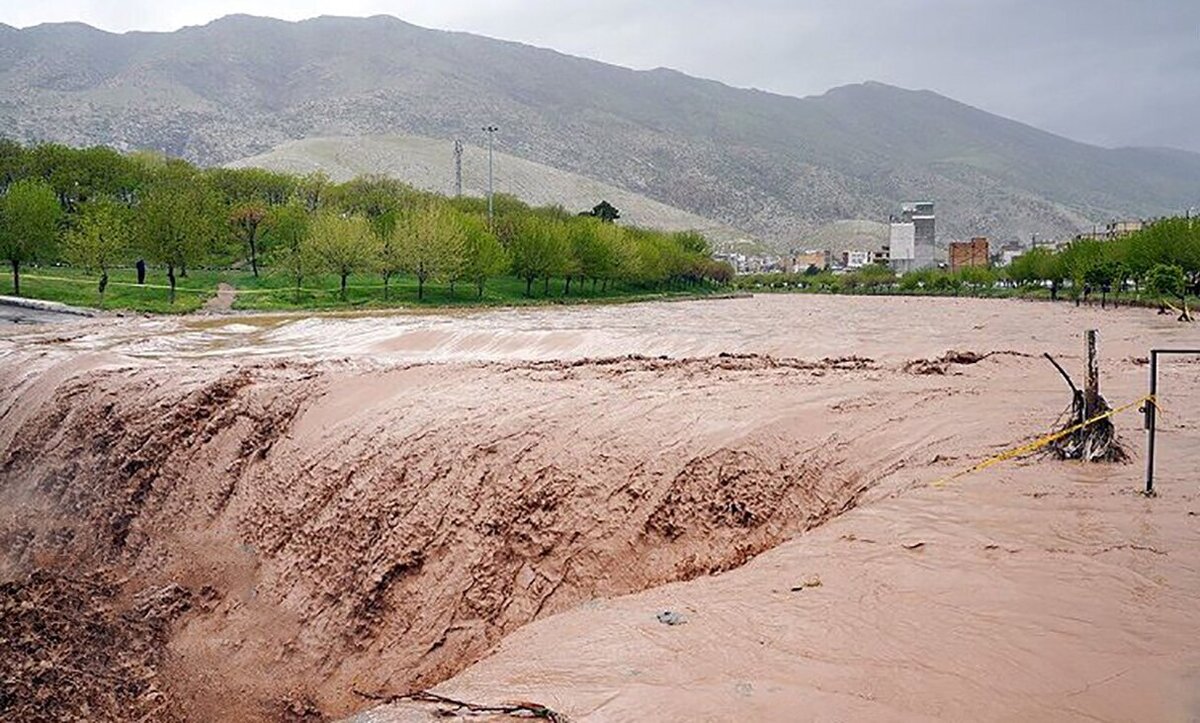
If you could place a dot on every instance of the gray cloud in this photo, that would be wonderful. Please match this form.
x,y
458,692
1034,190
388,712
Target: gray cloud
x,y
1112,72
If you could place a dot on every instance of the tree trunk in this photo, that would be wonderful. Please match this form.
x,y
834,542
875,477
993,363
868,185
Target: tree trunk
x,y
546,286
420,287
16,267
567,290
593,284
386,277
253,254
103,283
171,279
298,280
344,275
452,288
528,285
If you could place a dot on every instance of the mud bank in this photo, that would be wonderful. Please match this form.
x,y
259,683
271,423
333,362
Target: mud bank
x,y
311,524
381,530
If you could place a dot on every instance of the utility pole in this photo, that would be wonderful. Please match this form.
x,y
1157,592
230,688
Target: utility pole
x,y
458,151
491,131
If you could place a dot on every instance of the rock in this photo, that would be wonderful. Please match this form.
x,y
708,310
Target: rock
x,y
670,617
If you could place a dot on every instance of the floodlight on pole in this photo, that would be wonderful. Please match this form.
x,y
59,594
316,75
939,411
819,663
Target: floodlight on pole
x,y
491,131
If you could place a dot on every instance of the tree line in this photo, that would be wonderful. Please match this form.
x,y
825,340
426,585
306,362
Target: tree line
x,y
1162,260
99,209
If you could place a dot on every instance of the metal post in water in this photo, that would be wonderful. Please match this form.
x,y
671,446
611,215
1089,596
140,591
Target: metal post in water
x,y
1151,411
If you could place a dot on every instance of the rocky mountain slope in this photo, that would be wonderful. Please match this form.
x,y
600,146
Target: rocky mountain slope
x,y
428,163
776,166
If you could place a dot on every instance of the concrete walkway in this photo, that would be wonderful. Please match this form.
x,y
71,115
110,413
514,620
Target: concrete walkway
x,y
19,310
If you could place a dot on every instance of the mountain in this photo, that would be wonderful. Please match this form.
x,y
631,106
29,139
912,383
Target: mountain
x,y
776,166
428,163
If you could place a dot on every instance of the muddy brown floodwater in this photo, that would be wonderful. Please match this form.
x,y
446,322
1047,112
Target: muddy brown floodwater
x,y
261,518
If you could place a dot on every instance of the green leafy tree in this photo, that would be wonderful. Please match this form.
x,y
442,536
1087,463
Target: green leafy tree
x,y
312,189
246,220
1103,276
538,250
343,245
605,260
99,239
605,211
389,238
29,214
432,243
1078,260
483,255
287,233
1168,281
239,186
179,222
12,162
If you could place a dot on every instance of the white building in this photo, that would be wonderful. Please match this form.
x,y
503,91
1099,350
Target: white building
x,y
912,238
855,259
902,246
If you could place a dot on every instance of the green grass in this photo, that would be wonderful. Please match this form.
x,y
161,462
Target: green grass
x,y
77,288
275,292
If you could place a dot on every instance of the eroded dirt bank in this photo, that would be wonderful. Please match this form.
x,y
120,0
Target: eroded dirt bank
x,y
298,524
379,531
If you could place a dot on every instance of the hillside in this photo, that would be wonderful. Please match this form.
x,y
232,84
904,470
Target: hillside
x,y
776,166
428,163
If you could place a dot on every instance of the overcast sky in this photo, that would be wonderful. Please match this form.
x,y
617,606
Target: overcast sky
x,y
1112,72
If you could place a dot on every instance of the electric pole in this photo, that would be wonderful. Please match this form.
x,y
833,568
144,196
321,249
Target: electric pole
x,y
458,151
491,131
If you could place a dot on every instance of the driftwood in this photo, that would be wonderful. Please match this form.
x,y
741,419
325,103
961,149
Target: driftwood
x,y
452,707
1095,441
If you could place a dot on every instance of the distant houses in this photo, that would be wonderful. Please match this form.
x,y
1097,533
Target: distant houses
x,y
911,246
964,254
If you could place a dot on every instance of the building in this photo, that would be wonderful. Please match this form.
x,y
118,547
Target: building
x,y
856,259
802,261
1114,230
968,253
1009,251
902,241
749,263
911,238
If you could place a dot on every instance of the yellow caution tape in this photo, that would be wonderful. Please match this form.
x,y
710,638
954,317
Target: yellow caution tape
x,y
95,281
1041,442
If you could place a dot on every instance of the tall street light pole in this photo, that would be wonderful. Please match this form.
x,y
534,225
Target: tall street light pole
x,y
491,131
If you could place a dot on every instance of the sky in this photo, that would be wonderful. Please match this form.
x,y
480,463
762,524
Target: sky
x,y
1109,72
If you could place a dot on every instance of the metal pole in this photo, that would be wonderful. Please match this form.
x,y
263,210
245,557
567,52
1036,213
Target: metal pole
x,y
1151,409
458,152
491,131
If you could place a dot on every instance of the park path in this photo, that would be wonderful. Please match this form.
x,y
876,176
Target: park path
x,y
223,301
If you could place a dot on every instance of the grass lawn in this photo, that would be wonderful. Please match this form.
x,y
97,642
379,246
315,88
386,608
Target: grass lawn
x,y
275,292
77,288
